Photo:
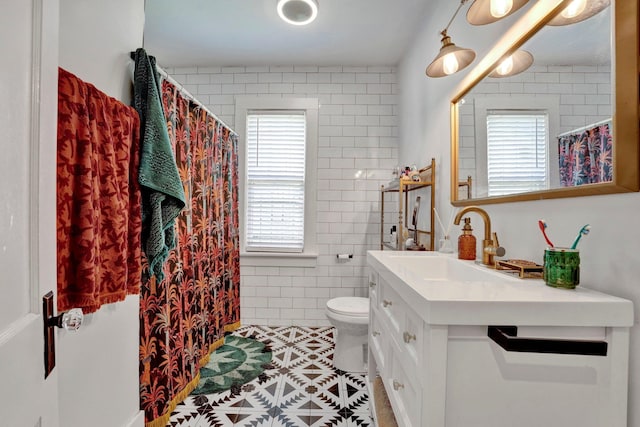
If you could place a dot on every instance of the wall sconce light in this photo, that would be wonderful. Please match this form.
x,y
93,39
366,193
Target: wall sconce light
x,y
514,64
484,12
451,58
298,12
579,10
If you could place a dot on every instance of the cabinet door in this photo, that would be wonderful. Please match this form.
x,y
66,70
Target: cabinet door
x,y
405,392
379,341
391,307
373,288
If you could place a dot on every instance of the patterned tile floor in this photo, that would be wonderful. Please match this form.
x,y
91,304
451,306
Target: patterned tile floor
x,y
301,388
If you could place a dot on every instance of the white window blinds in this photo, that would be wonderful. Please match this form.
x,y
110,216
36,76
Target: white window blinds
x,y
516,151
275,181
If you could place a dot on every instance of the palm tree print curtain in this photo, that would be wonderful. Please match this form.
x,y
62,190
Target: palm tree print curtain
x,y
183,318
585,157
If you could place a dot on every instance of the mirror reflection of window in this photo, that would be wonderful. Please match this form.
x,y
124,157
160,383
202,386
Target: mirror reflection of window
x,y
517,159
523,156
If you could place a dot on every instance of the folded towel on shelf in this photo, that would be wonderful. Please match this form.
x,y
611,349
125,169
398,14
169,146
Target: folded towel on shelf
x,y
162,191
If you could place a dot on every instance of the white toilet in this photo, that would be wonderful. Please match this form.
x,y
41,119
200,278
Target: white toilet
x,y
350,317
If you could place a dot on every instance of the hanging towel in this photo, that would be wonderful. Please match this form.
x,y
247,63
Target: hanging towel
x,y
162,192
98,197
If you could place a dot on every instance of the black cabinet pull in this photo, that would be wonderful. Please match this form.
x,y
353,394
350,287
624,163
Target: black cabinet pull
x,y
507,338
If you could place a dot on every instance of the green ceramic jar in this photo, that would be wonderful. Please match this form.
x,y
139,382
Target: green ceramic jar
x,y
562,267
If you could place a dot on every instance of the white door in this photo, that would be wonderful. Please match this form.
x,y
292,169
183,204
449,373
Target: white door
x,y
28,117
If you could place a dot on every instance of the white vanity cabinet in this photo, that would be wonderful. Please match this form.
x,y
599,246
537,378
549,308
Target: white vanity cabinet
x,y
395,340
442,361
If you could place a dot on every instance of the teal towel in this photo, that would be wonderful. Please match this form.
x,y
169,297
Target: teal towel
x,y
162,192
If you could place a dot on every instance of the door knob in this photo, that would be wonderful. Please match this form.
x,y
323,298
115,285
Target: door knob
x,y
69,320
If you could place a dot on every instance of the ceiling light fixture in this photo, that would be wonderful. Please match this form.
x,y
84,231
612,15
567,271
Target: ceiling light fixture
x,y
484,12
579,10
298,12
451,58
514,64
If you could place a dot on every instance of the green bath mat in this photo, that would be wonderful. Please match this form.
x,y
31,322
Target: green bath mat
x,y
237,362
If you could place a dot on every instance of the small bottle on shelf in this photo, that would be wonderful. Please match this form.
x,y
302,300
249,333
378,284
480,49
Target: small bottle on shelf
x,y
467,242
394,237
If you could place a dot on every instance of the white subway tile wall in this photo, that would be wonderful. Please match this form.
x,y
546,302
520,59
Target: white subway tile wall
x,y
357,151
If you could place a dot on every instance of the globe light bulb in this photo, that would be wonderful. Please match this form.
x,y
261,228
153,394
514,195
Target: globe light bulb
x,y
575,8
505,66
499,8
450,64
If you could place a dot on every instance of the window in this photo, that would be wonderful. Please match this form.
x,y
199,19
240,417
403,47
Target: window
x,y
516,151
277,193
275,180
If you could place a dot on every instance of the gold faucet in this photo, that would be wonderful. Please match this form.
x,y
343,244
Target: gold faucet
x,y
490,245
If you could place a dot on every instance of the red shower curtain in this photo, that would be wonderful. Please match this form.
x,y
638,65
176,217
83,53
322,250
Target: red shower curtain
x,y
184,317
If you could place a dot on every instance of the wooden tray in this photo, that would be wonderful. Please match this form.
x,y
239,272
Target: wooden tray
x,y
524,269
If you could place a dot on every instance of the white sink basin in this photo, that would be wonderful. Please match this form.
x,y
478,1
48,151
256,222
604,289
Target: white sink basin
x,y
438,267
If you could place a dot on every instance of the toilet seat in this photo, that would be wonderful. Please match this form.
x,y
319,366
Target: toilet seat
x,y
349,306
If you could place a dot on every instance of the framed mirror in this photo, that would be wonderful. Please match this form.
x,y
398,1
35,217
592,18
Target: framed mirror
x,y
565,127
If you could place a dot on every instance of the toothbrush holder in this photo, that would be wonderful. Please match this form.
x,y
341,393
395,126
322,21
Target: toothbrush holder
x,y
562,267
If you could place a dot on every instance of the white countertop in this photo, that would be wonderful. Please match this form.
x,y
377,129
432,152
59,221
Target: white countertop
x,y
448,291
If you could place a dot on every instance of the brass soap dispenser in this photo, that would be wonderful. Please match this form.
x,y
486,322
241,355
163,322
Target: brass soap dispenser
x,y
467,242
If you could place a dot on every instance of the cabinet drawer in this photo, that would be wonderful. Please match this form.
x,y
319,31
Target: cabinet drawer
x,y
570,388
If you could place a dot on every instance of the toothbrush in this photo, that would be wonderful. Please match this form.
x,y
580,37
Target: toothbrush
x,y
543,225
583,232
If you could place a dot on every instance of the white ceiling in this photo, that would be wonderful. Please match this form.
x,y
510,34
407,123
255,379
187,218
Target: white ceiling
x,y
249,32
351,32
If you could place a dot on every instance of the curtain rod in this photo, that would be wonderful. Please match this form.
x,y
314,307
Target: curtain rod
x,y
583,128
188,94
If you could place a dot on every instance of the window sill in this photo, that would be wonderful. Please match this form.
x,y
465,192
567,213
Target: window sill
x,y
278,259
